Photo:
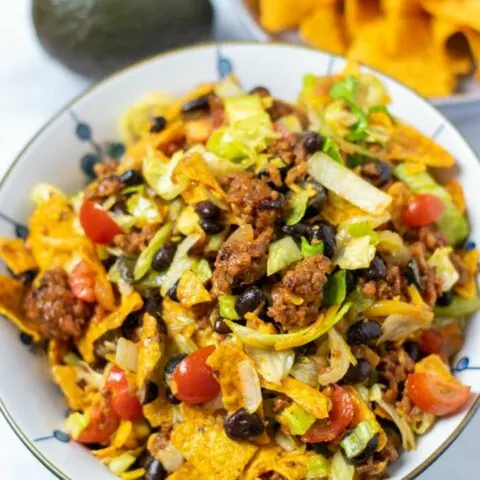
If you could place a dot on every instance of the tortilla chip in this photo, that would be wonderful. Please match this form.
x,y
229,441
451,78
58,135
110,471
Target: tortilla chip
x,y
202,440
188,471
97,329
150,349
174,110
225,361
358,13
462,12
158,412
473,38
65,377
179,319
57,349
289,465
469,290
406,6
191,291
313,401
338,210
12,295
428,74
409,145
17,257
325,29
278,15
456,192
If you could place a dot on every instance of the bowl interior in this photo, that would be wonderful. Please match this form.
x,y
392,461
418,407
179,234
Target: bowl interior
x,y
32,404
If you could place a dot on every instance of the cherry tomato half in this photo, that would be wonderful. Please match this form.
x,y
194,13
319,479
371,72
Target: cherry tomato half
x,y
436,395
424,210
97,223
124,402
193,381
340,417
82,282
103,423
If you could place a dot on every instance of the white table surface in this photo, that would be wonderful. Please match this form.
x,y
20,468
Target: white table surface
x,y
32,89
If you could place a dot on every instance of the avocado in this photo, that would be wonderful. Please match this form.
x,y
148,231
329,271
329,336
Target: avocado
x,y
96,37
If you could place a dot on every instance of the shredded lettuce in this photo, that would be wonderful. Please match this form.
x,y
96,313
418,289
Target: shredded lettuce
x,y
396,327
202,270
342,181
459,307
291,123
272,365
317,467
393,248
228,87
144,261
297,206
296,419
444,268
306,370
144,209
188,221
226,306
158,176
340,469
335,289
356,253
281,254
452,223
358,301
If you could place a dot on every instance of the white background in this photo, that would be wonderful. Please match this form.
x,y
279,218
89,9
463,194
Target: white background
x,y
32,89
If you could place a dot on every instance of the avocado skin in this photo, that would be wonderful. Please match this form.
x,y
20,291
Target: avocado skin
x,y
97,37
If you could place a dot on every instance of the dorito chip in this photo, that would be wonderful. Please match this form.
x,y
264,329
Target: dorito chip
x,y
202,440
190,290
469,288
325,29
288,465
159,411
358,13
150,348
57,349
187,470
462,12
236,374
12,295
16,255
409,145
278,15
313,401
66,378
96,329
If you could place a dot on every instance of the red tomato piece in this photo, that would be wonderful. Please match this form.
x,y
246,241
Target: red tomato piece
x,y
193,381
82,282
124,402
103,423
340,417
431,341
97,223
436,395
424,210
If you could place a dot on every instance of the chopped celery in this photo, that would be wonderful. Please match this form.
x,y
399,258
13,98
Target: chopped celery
x,y
452,223
340,469
281,254
226,306
297,206
296,419
291,123
121,463
309,250
336,289
356,441
459,307
332,150
317,467
444,269
145,259
342,181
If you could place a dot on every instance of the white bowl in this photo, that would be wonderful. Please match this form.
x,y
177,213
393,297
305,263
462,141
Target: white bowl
x,y
30,402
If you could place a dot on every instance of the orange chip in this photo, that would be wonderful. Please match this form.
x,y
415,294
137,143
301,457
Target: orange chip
x,y
358,13
456,192
405,6
469,289
325,29
462,12
278,15
16,255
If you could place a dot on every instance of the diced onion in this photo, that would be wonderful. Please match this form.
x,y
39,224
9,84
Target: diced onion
x,y
250,386
170,457
126,355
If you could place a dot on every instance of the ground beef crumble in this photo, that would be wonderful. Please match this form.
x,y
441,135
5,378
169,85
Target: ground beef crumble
x,y
135,241
394,368
104,187
241,263
52,304
431,287
462,269
306,281
254,200
430,236
394,285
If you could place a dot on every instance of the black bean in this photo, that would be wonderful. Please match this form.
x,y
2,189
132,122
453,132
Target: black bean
x,y
158,124
171,398
325,232
350,280
299,230
317,202
199,103
155,471
163,257
132,321
313,142
207,210
243,425
260,91
148,392
221,327
383,172
171,365
172,292
269,204
249,300
412,350
125,267
377,269
26,339
120,207
131,178
153,307
369,450
211,227
26,277
412,274
144,460
109,261
308,349
320,448
445,300
363,331
358,373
